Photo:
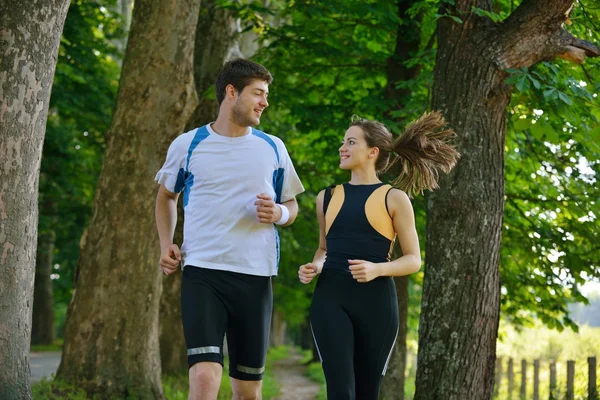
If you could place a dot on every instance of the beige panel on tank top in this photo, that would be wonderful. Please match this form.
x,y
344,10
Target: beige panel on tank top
x,y
377,213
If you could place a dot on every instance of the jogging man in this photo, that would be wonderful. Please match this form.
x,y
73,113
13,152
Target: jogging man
x,y
237,184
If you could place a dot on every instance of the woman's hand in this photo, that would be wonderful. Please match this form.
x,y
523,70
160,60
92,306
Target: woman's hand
x,y
307,272
364,271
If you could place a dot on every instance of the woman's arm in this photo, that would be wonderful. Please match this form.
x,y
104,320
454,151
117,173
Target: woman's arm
x,y
403,219
308,271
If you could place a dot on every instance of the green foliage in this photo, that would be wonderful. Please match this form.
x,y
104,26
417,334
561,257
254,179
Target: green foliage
x,y
56,390
550,239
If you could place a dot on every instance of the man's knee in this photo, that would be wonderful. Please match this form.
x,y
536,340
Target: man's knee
x,y
246,390
205,374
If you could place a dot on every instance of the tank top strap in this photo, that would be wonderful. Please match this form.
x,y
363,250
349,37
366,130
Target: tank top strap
x,y
327,198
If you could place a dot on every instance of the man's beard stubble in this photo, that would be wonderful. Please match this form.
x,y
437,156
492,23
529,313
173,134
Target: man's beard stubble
x,y
239,118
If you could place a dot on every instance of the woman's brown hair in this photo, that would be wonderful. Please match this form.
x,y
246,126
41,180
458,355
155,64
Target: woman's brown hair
x,y
422,151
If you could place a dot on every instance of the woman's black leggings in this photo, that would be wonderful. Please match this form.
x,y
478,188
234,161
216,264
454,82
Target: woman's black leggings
x,y
355,327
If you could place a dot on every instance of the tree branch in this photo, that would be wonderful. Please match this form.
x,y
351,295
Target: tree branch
x,y
534,32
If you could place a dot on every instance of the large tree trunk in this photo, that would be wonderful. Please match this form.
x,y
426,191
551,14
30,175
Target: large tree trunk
x,y
29,38
42,325
111,333
408,39
461,294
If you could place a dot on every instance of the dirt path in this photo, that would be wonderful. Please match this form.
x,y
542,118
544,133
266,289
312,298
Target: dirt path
x,y
295,385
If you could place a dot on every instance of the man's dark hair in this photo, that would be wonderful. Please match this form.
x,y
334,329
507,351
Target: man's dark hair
x,y
239,73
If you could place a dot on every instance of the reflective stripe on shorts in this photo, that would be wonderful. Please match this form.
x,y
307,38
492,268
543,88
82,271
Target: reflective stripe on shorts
x,y
249,370
204,350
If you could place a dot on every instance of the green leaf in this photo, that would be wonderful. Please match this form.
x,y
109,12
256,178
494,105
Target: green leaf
x,y
522,124
535,82
594,134
550,94
522,83
565,98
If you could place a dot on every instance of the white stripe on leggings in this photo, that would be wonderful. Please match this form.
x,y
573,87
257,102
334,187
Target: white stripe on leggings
x,y
392,349
316,345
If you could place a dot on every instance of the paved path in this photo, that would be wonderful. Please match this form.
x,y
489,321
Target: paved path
x,y
291,375
43,364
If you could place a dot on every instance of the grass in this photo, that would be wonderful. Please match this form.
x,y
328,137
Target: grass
x,y
50,389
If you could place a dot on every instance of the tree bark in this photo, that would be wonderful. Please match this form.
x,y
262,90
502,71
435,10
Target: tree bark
x,y
407,43
461,293
42,325
111,333
29,39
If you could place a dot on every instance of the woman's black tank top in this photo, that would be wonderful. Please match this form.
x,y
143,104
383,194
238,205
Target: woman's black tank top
x,y
357,224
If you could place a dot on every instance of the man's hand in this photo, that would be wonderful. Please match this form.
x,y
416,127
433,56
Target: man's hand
x,y
170,259
307,272
267,211
364,271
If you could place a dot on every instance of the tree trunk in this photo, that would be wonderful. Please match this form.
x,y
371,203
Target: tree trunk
x,y
461,293
111,333
216,32
42,325
29,39
407,43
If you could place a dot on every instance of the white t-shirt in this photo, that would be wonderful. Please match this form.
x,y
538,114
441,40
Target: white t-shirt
x,y
220,178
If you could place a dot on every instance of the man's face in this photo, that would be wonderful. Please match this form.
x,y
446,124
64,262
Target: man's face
x,y
250,104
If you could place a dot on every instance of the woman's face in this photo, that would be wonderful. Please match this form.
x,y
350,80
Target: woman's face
x,y
354,151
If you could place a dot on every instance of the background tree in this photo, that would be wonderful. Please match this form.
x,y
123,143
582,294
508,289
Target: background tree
x,y
29,39
104,352
461,294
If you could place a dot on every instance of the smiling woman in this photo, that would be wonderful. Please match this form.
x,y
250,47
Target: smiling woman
x,y
354,313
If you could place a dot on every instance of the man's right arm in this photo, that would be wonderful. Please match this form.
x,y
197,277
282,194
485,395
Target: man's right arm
x,y
166,220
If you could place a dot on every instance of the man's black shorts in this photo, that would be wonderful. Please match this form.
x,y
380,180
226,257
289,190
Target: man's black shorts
x,y
216,302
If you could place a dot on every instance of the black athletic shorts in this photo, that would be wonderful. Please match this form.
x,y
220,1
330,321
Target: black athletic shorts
x,y
216,302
